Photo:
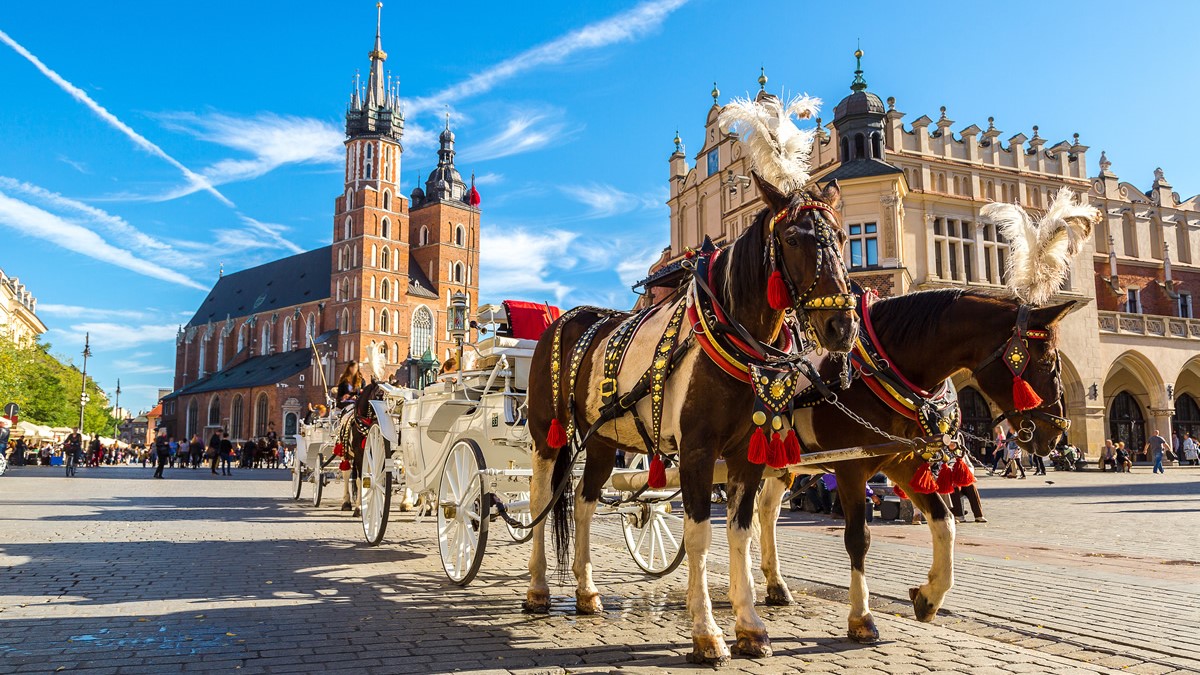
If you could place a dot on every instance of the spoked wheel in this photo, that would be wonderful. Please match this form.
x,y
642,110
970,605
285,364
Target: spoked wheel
x,y
318,479
654,537
297,477
523,517
376,495
462,513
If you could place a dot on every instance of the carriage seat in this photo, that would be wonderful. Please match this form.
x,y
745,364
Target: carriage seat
x,y
518,351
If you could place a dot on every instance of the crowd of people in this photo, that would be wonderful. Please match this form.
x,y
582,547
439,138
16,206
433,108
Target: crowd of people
x,y
220,453
1116,457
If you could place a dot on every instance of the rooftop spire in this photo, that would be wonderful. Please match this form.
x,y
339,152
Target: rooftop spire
x,y
859,84
375,84
762,79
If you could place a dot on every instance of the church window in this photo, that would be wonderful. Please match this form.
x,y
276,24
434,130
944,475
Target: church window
x,y
214,411
385,290
383,351
845,149
458,273
371,319
347,229
374,255
242,335
385,226
859,146
395,352
369,164
203,357
349,199
193,418
286,346
460,235
310,329
387,202
864,245
713,161
424,238
260,416
220,351
264,345
235,419
384,324
385,259
421,338
344,324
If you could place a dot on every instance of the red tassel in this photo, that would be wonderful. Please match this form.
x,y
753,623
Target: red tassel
x,y
344,466
338,450
777,292
557,436
899,491
963,474
1024,397
658,473
758,447
776,455
945,480
363,444
922,481
791,446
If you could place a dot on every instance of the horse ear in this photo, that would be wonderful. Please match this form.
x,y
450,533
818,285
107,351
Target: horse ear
x,y
1048,316
831,194
771,194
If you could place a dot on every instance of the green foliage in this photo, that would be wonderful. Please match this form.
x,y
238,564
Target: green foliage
x,y
48,389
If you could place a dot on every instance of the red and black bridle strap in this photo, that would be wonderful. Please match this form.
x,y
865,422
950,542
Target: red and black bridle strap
x,y
828,256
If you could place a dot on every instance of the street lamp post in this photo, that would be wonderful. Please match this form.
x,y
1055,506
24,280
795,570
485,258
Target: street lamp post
x,y
458,323
117,409
83,395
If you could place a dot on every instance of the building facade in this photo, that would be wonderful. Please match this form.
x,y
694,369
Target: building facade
x,y
19,321
912,193
270,340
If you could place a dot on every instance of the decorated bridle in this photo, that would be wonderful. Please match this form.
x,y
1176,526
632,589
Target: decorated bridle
x,y
782,293
1026,402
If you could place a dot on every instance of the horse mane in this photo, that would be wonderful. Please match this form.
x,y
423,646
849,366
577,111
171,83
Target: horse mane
x,y
916,316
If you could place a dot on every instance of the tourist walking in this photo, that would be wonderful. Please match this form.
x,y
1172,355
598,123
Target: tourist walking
x,y
214,450
195,451
225,450
1156,446
162,452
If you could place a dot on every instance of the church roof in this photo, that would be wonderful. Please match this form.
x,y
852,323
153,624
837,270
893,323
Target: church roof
x,y
286,282
861,168
419,284
256,372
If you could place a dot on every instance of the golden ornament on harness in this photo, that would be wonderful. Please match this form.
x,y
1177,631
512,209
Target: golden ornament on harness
x,y
776,423
759,418
777,391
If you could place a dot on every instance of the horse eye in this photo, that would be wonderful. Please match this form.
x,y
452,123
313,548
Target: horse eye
x,y
792,236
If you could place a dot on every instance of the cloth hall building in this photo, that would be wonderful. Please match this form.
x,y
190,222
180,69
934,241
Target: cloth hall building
x,y
269,340
912,191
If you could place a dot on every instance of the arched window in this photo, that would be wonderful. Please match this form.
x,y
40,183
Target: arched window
x,y
369,165
385,226
424,238
344,324
383,322
385,290
347,228
236,414
991,190
385,259
876,145
395,352
310,329
859,146
286,345
289,426
261,414
845,149
383,351
1125,422
349,198
941,182
203,361
220,350
243,334
1187,417
976,417
460,235
193,418
458,273
214,412
421,339
264,342
387,206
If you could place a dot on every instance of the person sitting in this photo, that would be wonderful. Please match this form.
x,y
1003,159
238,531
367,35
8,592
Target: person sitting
x,y
1122,461
450,366
350,383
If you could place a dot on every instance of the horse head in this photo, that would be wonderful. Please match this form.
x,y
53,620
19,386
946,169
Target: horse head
x,y
804,245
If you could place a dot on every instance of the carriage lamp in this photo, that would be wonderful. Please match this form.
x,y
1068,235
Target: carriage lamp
x,y
459,324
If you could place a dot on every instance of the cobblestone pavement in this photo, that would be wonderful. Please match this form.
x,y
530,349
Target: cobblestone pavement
x,y
112,572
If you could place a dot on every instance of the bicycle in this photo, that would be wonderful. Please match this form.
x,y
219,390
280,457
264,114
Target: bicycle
x,y
69,463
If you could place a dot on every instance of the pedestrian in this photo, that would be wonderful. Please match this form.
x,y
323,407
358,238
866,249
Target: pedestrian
x,y
1189,450
1121,459
173,445
225,449
1012,452
195,451
1156,446
1039,464
162,452
1000,454
214,450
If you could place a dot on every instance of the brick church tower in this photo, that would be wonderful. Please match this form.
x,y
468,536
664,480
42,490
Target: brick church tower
x,y
394,272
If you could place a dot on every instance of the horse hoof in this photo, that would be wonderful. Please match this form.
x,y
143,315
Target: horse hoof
x,y
779,596
536,602
588,603
755,646
346,507
709,651
863,630
357,513
922,609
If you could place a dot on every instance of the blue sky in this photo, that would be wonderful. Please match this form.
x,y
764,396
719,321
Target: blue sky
x,y
160,140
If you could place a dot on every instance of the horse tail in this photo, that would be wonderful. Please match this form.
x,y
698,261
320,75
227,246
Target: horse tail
x,y
561,481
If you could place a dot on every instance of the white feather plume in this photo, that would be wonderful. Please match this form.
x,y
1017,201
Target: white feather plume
x,y
1039,253
376,363
778,149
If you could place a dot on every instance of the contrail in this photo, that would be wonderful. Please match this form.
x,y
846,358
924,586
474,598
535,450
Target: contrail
x,y
139,140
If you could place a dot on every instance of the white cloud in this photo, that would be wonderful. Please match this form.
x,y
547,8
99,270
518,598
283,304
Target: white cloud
x,y
78,166
622,27
518,261
525,131
30,220
196,180
92,313
633,268
256,234
604,200
491,178
133,366
108,337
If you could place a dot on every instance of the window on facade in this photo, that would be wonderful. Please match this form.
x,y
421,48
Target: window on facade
x,y
383,351
344,324
203,361
214,412
1185,305
876,145
220,351
954,249
385,228
287,335
458,273
347,229
385,290
864,245
310,329
1133,300
387,206
235,418
261,414
243,333
289,426
460,236
384,324
1126,422
713,162
845,149
424,238
395,352
349,198
369,170
421,339
994,252
1187,417
264,344
385,259
193,419
860,146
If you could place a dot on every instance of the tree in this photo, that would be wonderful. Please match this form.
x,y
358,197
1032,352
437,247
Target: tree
x,y
48,389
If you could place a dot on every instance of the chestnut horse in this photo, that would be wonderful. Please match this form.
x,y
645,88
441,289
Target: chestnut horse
x,y
927,337
705,414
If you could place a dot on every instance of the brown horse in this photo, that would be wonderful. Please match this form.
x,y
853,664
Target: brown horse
x,y
968,331
802,233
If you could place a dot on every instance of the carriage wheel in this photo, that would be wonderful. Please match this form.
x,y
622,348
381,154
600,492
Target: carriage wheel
x,y
654,537
524,517
462,513
318,478
297,477
375,498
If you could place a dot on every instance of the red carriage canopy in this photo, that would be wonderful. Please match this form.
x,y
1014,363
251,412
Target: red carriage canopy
x,y
528,320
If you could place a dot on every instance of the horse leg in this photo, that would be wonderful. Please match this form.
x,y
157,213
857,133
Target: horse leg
x,y
708,643
597,468
768,515
356,493
749,629
346,504
852,490
537,597
928,597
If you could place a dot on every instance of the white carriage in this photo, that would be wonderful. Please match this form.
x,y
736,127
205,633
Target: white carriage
x,y
462,446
